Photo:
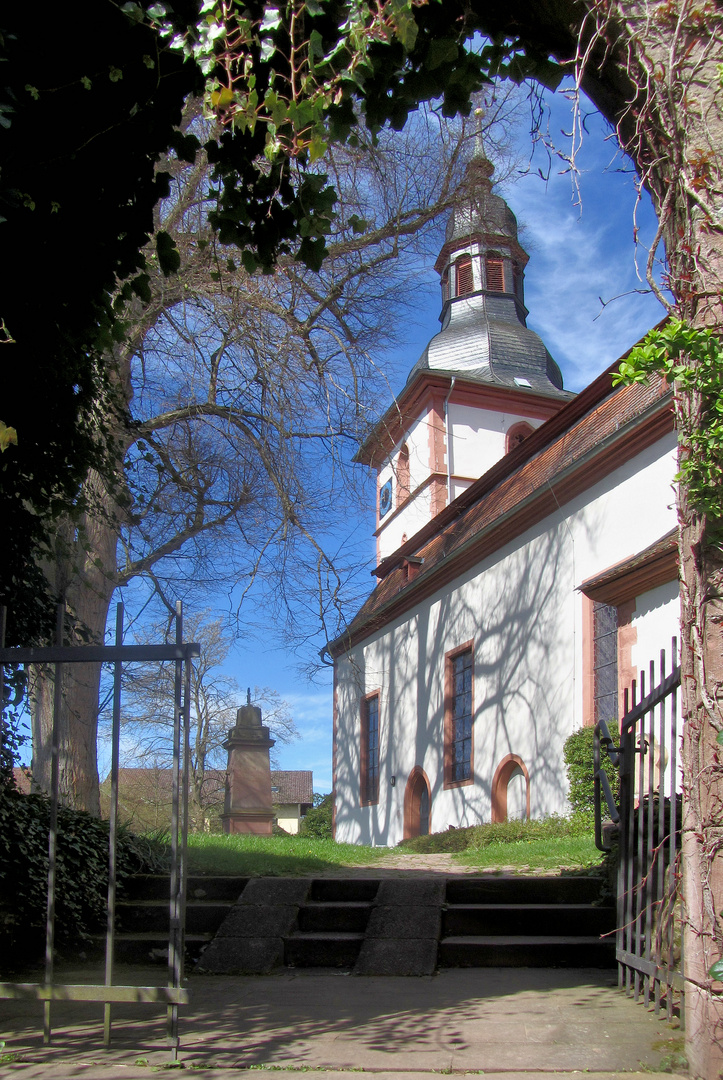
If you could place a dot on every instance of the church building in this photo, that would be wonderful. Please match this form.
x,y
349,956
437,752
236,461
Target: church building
x,y
526,560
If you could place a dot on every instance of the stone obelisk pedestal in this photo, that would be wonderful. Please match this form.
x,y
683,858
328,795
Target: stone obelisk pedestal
x,y
247,808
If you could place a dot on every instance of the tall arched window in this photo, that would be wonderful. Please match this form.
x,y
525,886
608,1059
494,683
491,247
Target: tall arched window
x,y
403,474
463,273
494,274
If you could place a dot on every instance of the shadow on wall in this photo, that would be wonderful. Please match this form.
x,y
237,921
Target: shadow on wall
x,y
520,615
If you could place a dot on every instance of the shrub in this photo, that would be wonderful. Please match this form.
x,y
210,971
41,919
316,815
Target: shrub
x,y
317,821
82,870
578,757
502,832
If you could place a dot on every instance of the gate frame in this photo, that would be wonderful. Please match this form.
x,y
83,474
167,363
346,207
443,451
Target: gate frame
x,y
119,654
647,885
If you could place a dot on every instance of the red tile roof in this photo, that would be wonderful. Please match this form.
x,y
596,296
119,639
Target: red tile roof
x,y
22,780
292,787
654,565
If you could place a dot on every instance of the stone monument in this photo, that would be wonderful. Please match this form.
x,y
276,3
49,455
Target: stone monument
x,y
247,806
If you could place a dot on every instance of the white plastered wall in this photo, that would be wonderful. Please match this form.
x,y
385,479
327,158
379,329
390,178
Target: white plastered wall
x,y
653,609
287,816
523,610
417,511
478,438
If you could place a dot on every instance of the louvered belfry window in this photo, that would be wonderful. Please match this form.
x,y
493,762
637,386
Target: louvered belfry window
x,y
494,275
465,282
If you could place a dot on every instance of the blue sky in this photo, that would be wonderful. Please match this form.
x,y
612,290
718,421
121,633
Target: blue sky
x,y
581,250
580,242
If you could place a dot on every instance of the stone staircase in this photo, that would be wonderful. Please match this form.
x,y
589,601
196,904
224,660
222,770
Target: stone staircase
x,y
332,924
399,926
526,922
143,916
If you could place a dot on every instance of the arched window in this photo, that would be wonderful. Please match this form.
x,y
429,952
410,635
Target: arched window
x,y
403,474
511,790
494,274
517,434
463,274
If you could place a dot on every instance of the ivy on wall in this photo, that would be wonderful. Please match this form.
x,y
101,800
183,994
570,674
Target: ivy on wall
x,y
692,360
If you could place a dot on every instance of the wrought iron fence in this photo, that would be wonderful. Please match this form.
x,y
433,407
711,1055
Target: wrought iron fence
x,y
646,827
173,994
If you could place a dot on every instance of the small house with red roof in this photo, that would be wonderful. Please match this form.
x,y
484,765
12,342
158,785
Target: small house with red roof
x,y
526,560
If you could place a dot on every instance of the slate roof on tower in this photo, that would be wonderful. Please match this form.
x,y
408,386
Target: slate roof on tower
x,y
484,332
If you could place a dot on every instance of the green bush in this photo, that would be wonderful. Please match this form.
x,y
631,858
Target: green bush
x,y
317,821
578,757
476,837
82,871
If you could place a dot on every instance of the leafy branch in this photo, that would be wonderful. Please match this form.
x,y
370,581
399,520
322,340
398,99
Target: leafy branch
x,y
692,359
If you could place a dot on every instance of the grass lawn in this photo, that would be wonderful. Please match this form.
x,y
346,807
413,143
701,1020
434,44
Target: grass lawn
x,y
272,856
549,853
549,845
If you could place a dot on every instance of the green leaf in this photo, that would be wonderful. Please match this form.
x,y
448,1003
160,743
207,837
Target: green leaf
x,y
249,261
441,51
141,286
271,20
33,91
169,258
316,45
317,148
719,738
115,74
716,971
185,146
133,11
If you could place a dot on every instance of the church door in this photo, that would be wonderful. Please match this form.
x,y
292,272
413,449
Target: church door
x,y
417,804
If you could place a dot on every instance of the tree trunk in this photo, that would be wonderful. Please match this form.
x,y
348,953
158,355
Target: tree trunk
x,y
667,54
83,573
702,576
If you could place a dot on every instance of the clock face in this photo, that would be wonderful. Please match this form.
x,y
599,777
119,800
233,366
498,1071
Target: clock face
x,y
385,498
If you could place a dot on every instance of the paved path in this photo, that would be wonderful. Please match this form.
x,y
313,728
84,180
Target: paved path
x,y
511,1021
397,864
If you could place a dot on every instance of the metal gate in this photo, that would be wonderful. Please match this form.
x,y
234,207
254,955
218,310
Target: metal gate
x,y
647,821
173,994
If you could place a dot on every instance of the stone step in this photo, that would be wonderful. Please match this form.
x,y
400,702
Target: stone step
x,y
337,950
344,890
540,950
325,917
520,890
149,947
512,919
154,915
208,887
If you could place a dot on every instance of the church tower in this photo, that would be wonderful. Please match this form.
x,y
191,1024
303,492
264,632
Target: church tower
x,y
482,384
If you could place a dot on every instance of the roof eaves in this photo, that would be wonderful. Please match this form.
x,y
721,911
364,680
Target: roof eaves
x,y
428,582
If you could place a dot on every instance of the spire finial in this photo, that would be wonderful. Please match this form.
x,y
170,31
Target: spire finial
x,y
480,163
479,151
248,695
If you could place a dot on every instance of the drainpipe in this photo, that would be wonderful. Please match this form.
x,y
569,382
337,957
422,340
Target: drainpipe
x,y
449,443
